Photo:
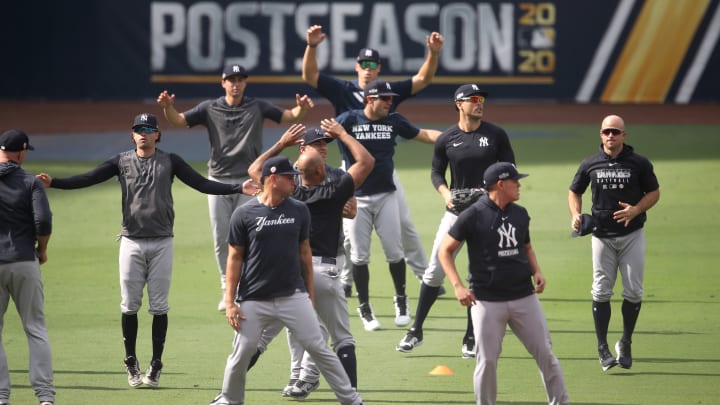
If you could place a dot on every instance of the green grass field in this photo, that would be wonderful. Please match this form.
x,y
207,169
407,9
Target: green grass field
x,y
676,351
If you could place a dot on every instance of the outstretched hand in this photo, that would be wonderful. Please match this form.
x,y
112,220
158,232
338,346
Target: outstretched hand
x,y
314,35
304,102
45,178
165,99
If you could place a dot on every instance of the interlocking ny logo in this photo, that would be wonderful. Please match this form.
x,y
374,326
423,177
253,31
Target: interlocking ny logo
x,y
507,236
236,68
143,117
475,87
368,52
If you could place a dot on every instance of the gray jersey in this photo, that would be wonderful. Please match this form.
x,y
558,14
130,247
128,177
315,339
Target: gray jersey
x,y
146,183
235,132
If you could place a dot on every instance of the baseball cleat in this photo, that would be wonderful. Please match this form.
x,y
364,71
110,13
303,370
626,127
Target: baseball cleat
x,y
402,310
133,371
368,317
289,387
468,347
152,377
411,340
303,388
607,361
624,355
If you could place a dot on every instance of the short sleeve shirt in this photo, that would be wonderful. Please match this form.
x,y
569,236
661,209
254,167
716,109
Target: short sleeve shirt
x,y
271,237
235,132
379,138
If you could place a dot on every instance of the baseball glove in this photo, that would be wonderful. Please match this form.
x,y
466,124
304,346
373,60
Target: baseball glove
x,y
464,197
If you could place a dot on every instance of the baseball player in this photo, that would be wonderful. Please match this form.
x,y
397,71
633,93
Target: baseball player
x,y
146,245
348,95
377,206
502,266
274,288
25,228
624,187
234,123
469,147
325,196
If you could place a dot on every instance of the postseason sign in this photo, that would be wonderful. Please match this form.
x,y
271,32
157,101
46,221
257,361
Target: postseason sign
x,y
500,42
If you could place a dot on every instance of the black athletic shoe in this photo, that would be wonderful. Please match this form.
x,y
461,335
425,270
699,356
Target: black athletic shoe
x,y
468,347
624,355
289,387
134,374
607,361
411,340
152,377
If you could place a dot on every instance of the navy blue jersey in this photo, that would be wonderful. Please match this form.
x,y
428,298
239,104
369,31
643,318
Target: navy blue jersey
x,y
146,184
271,237
498,263
626,178
325,202
235,132
378,137
347,95
468,154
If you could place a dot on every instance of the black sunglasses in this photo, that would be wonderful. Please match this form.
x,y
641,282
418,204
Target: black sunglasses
x,y
613,131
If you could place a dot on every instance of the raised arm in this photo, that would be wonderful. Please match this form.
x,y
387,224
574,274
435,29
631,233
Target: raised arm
x,y
294,115
293,136
310,72
426,74
167,102
364,161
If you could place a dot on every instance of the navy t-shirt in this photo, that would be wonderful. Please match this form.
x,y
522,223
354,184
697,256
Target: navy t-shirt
x,y
378,137
271,237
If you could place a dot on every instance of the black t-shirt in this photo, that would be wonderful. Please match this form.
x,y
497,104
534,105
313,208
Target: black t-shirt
x,y
325,203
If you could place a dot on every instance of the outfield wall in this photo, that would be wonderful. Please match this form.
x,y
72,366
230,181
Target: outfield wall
x,y
611,51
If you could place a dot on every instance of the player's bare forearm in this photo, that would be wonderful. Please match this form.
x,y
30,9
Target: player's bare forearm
x,y
446,252
629,212
575,206
538,276
233,271
426,73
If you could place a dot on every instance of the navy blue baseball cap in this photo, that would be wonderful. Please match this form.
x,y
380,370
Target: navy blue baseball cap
x,y
234,69
313,135
368,54
378,88
501,171
278,165
467,90
587,226
145,120
15,140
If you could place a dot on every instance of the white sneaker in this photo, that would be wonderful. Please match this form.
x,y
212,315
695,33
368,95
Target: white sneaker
x,y
368,317
402,310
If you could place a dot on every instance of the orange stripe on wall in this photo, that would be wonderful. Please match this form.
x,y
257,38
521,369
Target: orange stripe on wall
x,y
654,51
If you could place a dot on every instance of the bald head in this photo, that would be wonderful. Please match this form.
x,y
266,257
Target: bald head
x,y
312,167
613,121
